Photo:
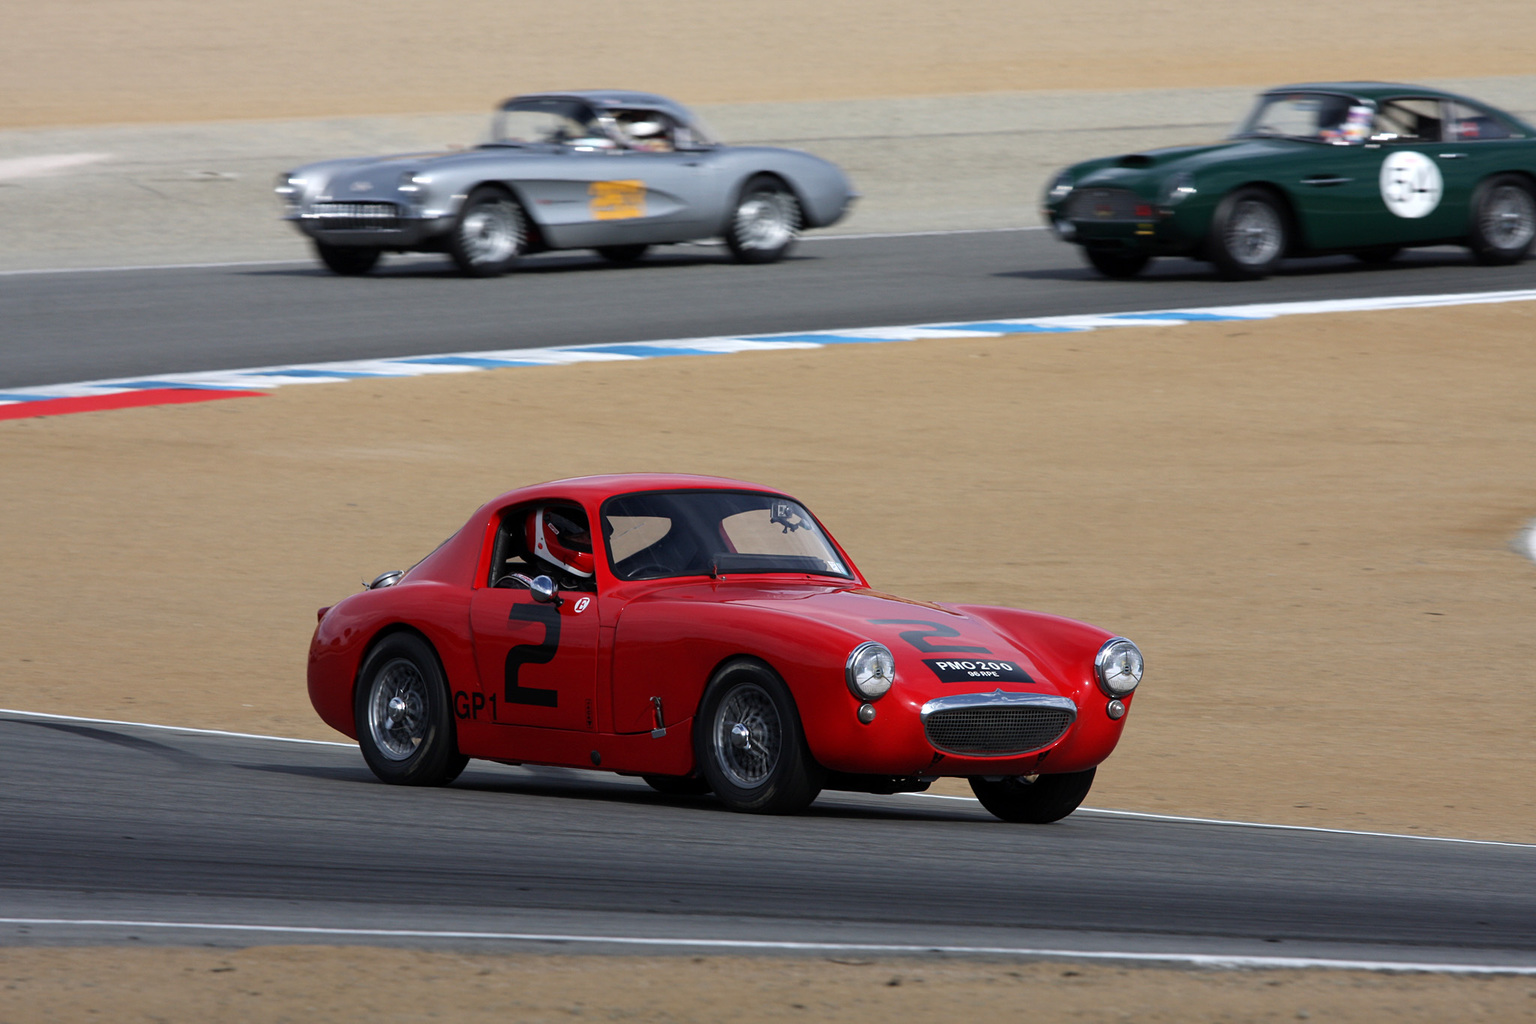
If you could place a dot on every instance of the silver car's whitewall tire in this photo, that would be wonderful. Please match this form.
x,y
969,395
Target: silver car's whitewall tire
x,y
401,712
489,234
765,221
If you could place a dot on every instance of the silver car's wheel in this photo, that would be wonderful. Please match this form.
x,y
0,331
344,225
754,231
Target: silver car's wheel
x,y
765,223
749,745
404,725
1503,220
1248,234
489,235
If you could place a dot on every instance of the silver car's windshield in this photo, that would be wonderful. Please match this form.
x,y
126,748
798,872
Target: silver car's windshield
x,y
557,122
1313,116
695,533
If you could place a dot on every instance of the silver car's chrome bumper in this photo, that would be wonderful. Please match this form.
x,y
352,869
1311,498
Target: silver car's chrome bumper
x,y
379,224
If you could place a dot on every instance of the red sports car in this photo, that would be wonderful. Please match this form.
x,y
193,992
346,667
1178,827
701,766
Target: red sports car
x,y
709,635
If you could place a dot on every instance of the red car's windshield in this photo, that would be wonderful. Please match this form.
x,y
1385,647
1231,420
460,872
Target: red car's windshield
x,y
694,533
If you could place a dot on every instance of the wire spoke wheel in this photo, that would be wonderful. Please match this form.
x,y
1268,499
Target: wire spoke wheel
x,y
748,736
1253,233
397,710
765,223
1508,218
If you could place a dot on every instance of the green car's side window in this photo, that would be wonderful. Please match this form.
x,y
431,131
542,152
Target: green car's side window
x,y
1473,124
1407,120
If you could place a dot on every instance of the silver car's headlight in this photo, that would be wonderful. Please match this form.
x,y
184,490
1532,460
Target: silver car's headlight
x,y
1118,666
290,189
1060,186
871,670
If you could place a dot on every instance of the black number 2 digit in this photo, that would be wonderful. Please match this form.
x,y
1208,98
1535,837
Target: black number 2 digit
x,y
533,654
920,638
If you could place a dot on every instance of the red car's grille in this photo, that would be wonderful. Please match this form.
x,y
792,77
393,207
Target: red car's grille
x,y
355,216
992,731
1107,204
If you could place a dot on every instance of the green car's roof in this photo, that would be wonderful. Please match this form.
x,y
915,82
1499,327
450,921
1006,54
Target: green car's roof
x,y
1368,90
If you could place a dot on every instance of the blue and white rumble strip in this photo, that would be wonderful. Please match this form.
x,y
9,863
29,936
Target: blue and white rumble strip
x,y
269,377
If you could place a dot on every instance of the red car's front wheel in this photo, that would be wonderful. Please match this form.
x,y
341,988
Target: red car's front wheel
x,y
749,743
1036,800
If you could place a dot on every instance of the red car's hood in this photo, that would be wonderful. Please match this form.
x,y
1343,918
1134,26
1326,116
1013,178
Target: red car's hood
x,y
939,648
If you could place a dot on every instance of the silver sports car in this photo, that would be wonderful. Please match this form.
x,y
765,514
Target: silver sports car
x,y
613,171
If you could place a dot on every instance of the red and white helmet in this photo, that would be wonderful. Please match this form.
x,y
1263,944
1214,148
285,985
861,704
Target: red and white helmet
x,y
560,539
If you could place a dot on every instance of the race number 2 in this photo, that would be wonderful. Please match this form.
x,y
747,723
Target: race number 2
x,y
533,654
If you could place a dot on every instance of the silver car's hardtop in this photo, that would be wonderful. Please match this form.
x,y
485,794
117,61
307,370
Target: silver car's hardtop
x,y
607,111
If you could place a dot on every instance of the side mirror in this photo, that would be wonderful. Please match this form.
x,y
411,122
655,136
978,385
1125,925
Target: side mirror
x,y
543,590
386,579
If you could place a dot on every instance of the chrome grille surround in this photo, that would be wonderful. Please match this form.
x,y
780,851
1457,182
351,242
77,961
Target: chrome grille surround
x,y
354,216
996,724
1105,204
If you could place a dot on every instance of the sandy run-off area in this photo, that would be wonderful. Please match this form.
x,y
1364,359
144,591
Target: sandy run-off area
x,y
1305,522
98,61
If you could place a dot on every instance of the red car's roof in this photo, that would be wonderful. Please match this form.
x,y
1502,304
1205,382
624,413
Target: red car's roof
x,y
596,488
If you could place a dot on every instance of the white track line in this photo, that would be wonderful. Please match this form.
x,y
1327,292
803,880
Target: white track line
x,y
771,946
173,728
924,796
1258,824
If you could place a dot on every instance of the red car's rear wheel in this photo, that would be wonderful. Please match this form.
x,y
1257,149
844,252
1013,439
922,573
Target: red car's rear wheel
x,y
404,723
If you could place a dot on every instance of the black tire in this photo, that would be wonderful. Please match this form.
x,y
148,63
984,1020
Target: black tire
x,y
1249,235
749,744
765,221
1116,264
411,743
349,260
1048,798
623,253
489,234
677,785
1503,220
1378,256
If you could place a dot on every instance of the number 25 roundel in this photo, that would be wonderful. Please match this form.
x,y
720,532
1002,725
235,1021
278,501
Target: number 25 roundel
x,y
533,654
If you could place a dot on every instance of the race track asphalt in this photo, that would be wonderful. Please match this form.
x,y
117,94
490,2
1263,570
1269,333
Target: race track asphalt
x,y
66,326
109,822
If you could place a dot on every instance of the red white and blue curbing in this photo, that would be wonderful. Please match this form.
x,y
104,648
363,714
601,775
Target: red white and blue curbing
x,y
183,388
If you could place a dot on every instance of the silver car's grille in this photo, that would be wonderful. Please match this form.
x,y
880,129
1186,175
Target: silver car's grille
x,y
992,730
355,216
1107,204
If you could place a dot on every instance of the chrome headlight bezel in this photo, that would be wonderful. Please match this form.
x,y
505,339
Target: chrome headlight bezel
x,y
290,188
870,671
1177,189
1060,187
1118,660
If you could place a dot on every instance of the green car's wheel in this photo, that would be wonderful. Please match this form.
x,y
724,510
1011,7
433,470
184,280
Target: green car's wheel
x,y
1116,264
749,745
349,260
404,722
765,223
1378,256
1249,235
489,235
1036,801
622,253
1503,220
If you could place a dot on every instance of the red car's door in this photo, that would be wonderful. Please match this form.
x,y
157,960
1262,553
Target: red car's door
x,y
537,662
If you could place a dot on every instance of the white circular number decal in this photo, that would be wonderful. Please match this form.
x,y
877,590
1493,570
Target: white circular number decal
x,y
1411,184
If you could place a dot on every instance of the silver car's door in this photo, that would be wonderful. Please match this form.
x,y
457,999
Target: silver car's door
x,y
624,197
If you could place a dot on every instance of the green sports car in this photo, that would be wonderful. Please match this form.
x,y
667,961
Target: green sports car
x,y
1366,168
